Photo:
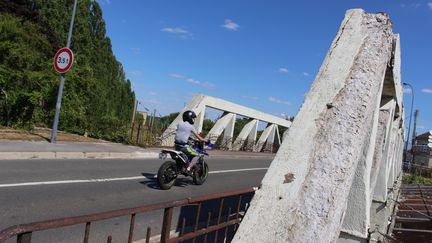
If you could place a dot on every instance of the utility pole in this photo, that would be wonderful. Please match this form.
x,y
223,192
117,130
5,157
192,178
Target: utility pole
x,y
409,126
413,141
134,112
133,117
152,121
62,79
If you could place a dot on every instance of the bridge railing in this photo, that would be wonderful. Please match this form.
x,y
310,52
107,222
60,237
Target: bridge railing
x,y
212,216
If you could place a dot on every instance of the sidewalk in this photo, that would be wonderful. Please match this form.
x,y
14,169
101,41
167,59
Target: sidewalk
x,y
16,149
19,149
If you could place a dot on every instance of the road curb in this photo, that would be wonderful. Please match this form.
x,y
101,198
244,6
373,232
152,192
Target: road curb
x,y
104,155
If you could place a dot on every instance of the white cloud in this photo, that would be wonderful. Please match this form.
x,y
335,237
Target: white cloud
x,y
153,93
406,90
180,32
176,30
275,100
430,5
176,75
206,85
306,74
192,81
283,70
429,91
230,25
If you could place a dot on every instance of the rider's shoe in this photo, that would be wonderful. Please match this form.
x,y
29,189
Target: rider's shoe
x,y
189,172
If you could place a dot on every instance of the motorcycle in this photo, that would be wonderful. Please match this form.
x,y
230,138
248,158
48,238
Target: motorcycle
x,y
170,170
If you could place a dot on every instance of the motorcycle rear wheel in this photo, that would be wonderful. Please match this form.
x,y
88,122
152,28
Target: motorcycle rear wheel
x,y
167,175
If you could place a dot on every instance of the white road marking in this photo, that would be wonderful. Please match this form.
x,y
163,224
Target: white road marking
x,y
238,170
39,183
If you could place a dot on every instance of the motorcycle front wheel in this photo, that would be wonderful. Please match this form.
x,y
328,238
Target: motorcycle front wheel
x,y
167,175
201,173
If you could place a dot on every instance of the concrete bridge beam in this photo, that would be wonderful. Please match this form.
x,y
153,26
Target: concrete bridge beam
x,y
329,150
268,136
201,102
219,127
247,134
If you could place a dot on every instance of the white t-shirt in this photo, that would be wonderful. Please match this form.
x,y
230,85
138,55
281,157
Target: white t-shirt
x,y
184,130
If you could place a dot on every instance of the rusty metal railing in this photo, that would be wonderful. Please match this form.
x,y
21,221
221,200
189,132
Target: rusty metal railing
x,y
23,232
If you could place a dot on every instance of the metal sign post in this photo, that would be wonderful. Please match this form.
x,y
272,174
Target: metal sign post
x,y
62,78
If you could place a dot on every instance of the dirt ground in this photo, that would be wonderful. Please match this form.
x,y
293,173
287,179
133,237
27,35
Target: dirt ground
x,y
41,134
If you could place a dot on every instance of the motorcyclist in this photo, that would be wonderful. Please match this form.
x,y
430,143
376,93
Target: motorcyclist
x,y
183,132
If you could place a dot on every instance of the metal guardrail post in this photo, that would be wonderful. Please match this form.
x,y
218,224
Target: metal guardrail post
x,y
24,237
166,225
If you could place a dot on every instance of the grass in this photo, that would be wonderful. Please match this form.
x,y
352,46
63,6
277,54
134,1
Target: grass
x,y
40,134
416,179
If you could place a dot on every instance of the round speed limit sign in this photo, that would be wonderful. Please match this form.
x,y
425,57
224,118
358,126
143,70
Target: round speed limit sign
x,y
63,60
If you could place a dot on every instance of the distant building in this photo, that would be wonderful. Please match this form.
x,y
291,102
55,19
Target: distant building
x,y
144,116
422,153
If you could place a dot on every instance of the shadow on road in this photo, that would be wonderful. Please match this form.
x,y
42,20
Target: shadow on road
x,y
151,181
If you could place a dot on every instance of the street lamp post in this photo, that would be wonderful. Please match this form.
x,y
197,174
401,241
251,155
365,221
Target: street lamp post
x,y
409,126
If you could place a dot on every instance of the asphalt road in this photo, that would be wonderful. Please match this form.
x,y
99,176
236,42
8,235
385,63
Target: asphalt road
x,y
36,190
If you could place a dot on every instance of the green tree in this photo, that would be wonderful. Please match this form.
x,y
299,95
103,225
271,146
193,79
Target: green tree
x,y
97,96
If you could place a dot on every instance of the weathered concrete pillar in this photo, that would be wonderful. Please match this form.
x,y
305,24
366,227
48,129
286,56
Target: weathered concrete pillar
x,y
304,194
379,170
271,139
197,105
378,210
266,136
357,216
199,121
247,134
222,124
229,133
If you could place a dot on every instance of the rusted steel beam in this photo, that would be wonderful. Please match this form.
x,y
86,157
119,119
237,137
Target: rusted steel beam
x,y
207,225
412,214
62,222
166,225
413,230
148,235
24,238
226,228
197,220
131,228
87,232
219,218
204,231
424,199
412,220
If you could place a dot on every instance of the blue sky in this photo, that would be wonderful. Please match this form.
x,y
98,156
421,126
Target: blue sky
x,y
261,54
